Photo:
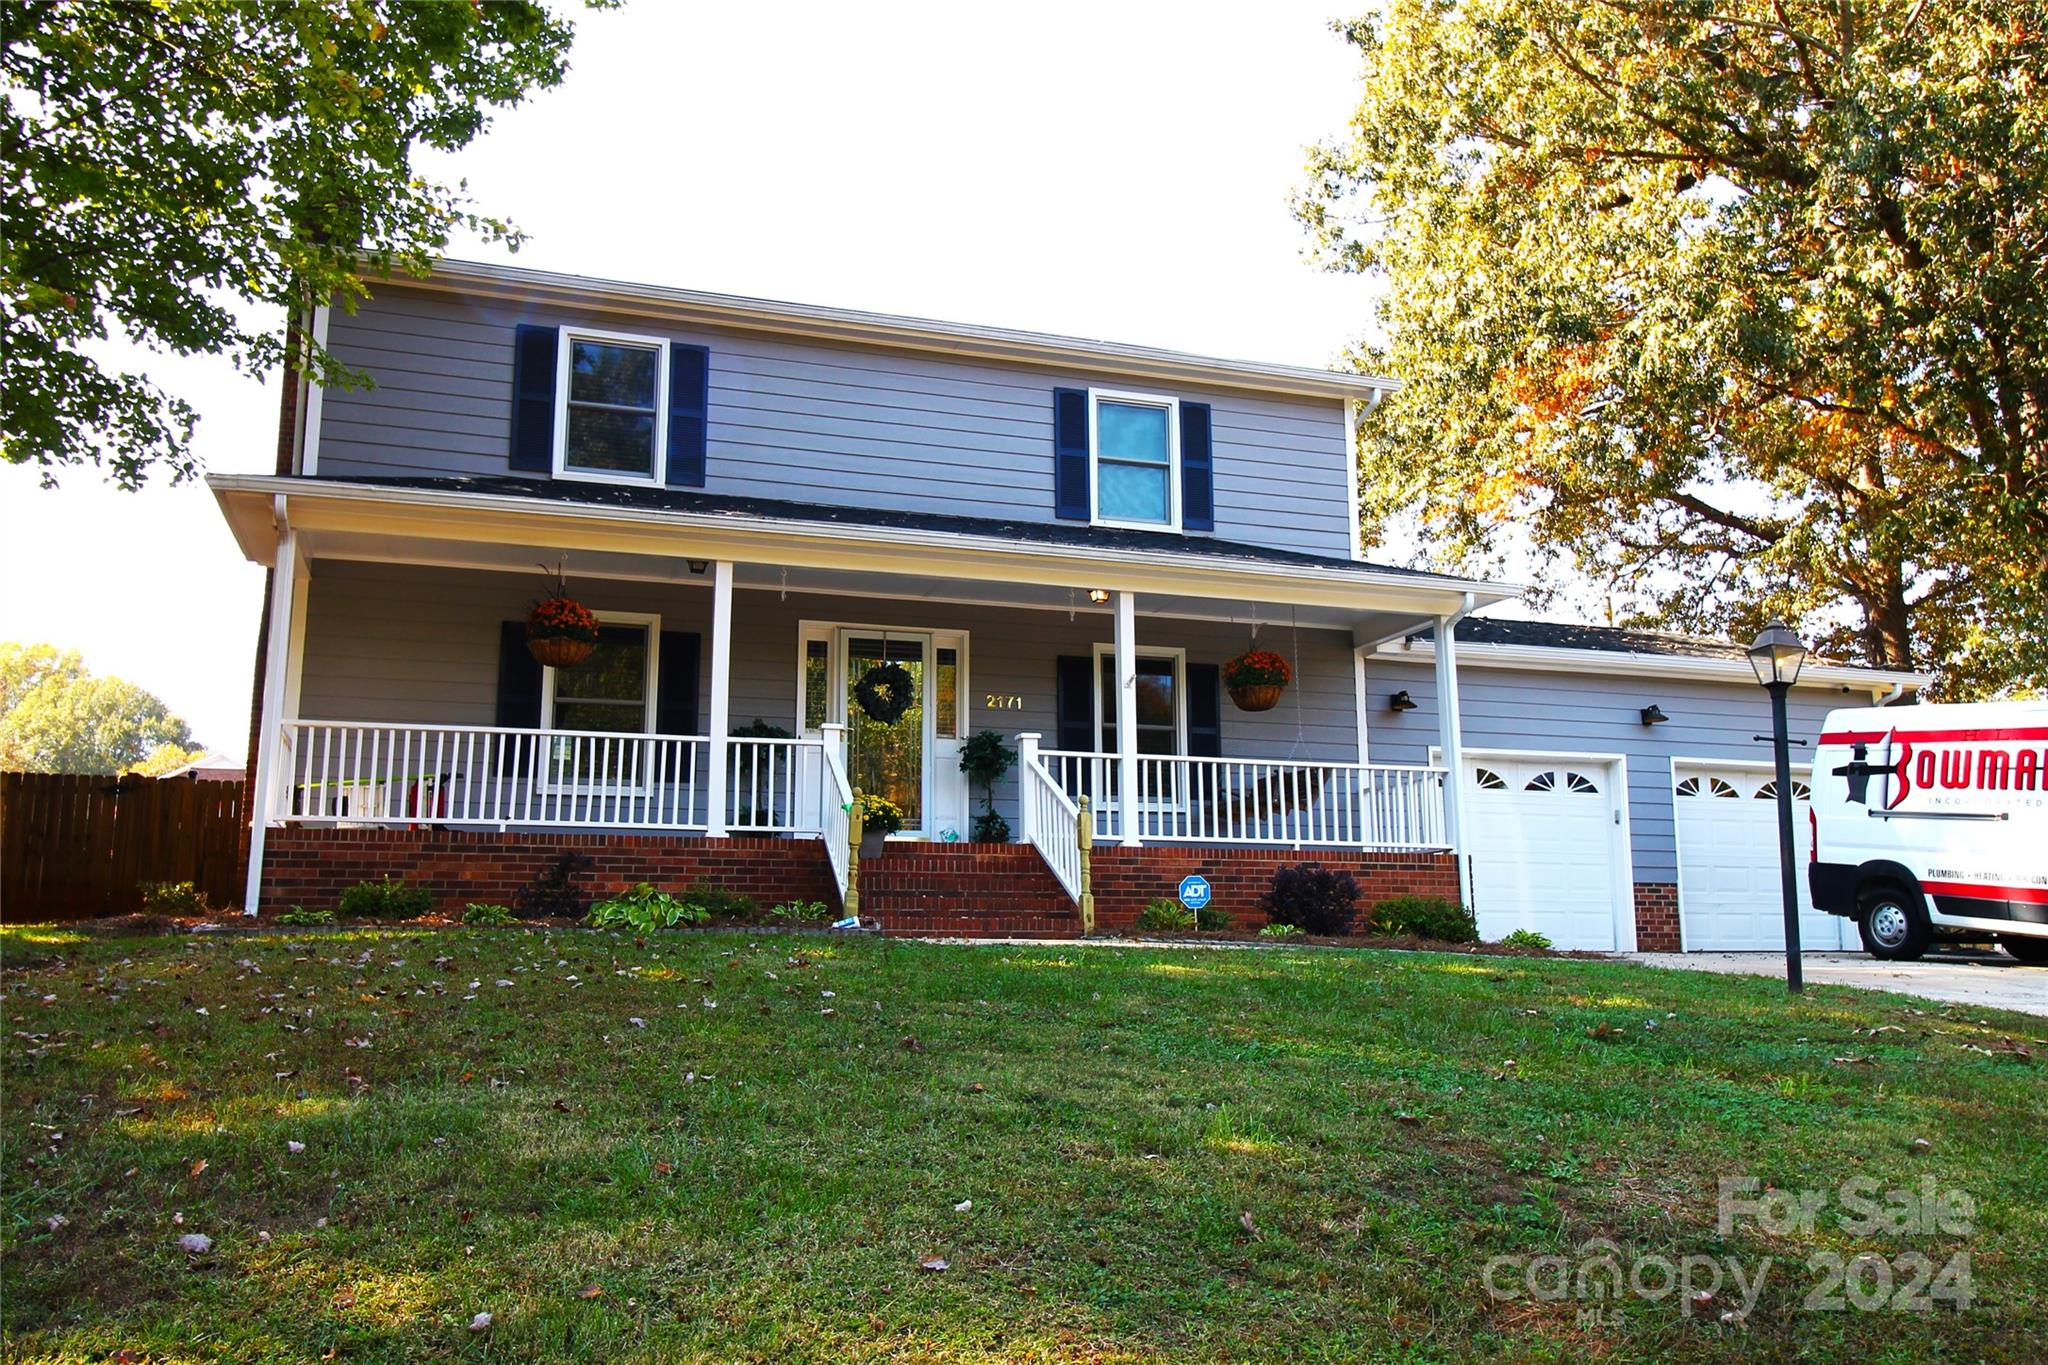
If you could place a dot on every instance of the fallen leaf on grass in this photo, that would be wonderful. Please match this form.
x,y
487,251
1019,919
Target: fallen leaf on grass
x,y
197,1243
294,1147
199,1166
963,1206
590,1291
1244,1220
935,1264
481,1322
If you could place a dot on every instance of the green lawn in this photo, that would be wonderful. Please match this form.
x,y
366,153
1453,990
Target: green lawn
x,y
617,1170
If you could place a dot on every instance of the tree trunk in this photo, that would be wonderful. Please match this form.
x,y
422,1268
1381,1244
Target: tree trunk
x,y
1887,627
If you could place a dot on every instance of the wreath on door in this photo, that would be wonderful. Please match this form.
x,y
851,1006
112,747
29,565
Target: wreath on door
x,y
885,692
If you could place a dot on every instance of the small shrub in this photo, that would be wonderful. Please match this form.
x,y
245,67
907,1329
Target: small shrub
x,y
643,909
1525,938
1166,917
299,914
717,904
553,894
173,898
389,898
1312,898
1425,917
990,828
1211,917
489,916
802,912
1279,931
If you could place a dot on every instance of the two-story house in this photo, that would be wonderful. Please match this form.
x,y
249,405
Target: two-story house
x,y
824,548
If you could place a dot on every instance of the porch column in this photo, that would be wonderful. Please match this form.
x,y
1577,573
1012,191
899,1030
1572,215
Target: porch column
x,y
269,753
1127,716
720,724
1451,742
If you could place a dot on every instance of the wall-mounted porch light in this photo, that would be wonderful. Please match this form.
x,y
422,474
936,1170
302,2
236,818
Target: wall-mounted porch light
x,y
1401,701
1098,595
1653,714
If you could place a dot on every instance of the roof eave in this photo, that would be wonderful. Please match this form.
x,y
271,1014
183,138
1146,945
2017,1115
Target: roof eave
x,y
1005,344
1554,658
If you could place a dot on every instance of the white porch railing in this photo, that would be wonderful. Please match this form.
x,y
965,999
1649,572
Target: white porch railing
x,y
835,806
356,772
1048,818
772,785
1263,801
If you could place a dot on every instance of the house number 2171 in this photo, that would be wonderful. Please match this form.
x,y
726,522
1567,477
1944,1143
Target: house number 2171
x,y
997,701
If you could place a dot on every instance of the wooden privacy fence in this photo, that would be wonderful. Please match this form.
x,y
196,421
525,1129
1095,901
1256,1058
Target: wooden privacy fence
x,y
77,846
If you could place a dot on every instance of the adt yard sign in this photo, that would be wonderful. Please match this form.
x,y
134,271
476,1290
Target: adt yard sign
x,y
1194,892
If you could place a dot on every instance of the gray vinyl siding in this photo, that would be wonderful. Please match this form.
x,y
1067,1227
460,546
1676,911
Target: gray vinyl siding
x,y
815,422
391,642
1593,712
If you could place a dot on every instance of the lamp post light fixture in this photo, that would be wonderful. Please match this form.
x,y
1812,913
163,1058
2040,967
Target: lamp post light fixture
x,y
1776,655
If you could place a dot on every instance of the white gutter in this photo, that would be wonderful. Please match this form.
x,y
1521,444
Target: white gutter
x,y
1555,659
910,333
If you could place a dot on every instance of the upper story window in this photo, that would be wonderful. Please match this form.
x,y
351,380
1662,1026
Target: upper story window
x,y
1134,441
612,418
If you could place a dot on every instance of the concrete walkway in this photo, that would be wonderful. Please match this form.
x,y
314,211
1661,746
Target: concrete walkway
x,y
1967,976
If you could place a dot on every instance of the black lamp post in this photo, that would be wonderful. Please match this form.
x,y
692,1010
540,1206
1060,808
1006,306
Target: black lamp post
x,y
1776,655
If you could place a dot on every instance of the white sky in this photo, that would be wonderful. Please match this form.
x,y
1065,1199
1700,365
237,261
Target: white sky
x,y
1115,170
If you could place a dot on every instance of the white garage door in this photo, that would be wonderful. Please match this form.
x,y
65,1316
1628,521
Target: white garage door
x,y
1728,889
1545,844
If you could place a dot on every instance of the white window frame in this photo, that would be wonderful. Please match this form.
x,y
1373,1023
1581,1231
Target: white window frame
x,y
651,622
1096,397
565,353
1180,692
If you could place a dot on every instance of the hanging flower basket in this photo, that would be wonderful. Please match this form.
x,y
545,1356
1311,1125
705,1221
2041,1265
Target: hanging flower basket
x,y
1256,678
560,631
885,692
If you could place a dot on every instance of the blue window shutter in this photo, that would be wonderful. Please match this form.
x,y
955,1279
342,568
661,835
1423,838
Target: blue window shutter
x,y
519,686
1070,500
689,399
675,698
1197,470
1205,710
533,398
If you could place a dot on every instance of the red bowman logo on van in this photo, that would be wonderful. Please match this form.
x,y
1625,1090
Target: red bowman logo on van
x,y
1859,770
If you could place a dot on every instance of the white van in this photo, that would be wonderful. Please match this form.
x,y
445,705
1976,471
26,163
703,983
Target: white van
x,y
1932,821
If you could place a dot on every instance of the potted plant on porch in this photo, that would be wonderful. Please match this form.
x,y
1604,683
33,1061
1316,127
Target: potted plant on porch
x,y
1256,678
984,758
879,818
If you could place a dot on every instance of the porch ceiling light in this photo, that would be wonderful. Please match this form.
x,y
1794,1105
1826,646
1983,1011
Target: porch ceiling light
x,y
1098,595
1653,714
1401,701
698,565
1776,655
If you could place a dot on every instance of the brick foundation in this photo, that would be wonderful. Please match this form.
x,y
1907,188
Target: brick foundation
x,y
312,866
1125,879
1656,917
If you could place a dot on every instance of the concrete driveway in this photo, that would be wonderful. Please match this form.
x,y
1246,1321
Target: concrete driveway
x,y
1968,976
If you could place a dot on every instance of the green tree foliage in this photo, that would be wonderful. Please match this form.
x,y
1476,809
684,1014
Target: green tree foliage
x,y
1735,307
168,161
59,718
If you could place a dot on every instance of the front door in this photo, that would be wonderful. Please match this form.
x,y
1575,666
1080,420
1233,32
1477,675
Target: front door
x,y
914,758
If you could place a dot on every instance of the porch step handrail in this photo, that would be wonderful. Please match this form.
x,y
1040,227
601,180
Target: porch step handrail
x,y
500,777
835,808
1260,801
1049,818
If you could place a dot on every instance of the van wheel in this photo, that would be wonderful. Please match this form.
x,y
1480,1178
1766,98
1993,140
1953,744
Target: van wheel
x,y
2032,951
1893,924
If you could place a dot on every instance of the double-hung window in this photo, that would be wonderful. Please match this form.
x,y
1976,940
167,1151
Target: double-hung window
x,y
611,421
610,693
1134,455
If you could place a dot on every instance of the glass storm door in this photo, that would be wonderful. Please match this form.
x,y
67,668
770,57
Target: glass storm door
x,y
890,759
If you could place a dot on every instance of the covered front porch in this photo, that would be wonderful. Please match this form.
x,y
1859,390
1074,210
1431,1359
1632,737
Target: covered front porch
x,y
724,700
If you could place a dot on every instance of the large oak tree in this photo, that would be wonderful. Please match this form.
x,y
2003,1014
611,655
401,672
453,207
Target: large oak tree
x,y
169,161
1735,306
